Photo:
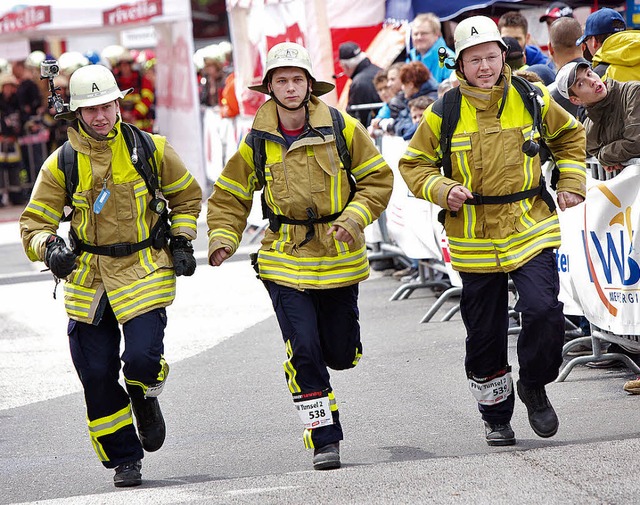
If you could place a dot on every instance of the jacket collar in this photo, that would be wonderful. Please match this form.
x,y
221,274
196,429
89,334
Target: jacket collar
x,y
83,143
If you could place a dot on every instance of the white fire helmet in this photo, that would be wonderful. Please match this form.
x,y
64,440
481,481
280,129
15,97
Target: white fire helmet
x,y
93,85
290,54
474,31
34,59
71,61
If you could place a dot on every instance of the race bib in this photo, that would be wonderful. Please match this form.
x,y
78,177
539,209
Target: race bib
x,y
491,391
314,409
154,390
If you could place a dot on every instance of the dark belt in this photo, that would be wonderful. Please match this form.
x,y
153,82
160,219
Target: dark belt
x,y
275,220
479,199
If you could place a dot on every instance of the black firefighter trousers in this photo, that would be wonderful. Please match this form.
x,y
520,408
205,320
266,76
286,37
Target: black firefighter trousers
x,y
95,351
485,313
321,329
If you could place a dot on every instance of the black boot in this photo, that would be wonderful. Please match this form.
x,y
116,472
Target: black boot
x,y
327,457
499,434
542,417
128,474
151,427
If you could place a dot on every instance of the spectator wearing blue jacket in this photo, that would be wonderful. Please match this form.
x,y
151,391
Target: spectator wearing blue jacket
x,y
416,81
426,37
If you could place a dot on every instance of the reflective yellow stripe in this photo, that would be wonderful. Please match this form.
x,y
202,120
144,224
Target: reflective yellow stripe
x,y
308,439
235,188
368,167
180,185
278,266
224,235
106,426
290,370
361,211
157,288
333,405
162,375
357,357
484,253
44,211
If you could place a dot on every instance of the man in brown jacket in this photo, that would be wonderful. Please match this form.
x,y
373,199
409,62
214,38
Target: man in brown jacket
x,y
613,114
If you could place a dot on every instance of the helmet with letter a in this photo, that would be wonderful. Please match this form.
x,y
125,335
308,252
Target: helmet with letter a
x,y
290,54
474,31
93,85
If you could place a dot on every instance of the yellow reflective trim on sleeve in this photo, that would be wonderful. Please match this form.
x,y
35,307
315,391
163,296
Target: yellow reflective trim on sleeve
x,y
369,166
362,211
222,234
235,188
179,185
44,211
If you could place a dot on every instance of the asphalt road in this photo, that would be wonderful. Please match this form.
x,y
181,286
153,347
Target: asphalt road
x,y
412,431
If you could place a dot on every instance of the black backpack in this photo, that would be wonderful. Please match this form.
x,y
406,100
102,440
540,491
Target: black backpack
x,y
145,165
257,142
448,108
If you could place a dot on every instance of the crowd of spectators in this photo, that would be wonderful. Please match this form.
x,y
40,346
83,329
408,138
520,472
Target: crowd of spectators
x,y
29,130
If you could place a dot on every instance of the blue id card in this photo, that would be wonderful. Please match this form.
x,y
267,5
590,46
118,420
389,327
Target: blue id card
x,y
102,199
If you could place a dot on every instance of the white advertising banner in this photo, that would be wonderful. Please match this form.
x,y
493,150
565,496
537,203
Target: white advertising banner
x,y
177,107
603,252
411,221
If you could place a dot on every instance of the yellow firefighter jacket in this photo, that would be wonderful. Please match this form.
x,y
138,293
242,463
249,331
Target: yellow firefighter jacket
x,y
487,158
621,52
308,174
136,283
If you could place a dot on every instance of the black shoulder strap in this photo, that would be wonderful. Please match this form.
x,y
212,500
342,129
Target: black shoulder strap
x,y
144,162
448,108
528,92
341,143
257,144
68,163
134,137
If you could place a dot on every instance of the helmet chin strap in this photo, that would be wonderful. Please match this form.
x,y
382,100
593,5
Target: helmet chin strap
x,y
94,134
292,109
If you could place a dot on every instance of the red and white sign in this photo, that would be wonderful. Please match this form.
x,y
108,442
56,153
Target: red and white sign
x,y
132,13
25,19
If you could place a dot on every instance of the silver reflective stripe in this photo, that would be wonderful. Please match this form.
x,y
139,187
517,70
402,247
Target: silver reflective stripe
x,y
96,94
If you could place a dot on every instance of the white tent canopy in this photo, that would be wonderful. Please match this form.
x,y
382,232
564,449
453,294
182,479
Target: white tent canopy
x,y
177,105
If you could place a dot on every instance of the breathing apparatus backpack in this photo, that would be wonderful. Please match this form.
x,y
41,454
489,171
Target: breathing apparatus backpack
x,y
448,108
257,139
145,165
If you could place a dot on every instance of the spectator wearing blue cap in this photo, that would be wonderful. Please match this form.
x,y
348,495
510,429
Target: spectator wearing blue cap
x,y
615,50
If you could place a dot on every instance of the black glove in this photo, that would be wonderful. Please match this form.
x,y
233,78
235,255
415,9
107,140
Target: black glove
x,y
58,257
184,262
